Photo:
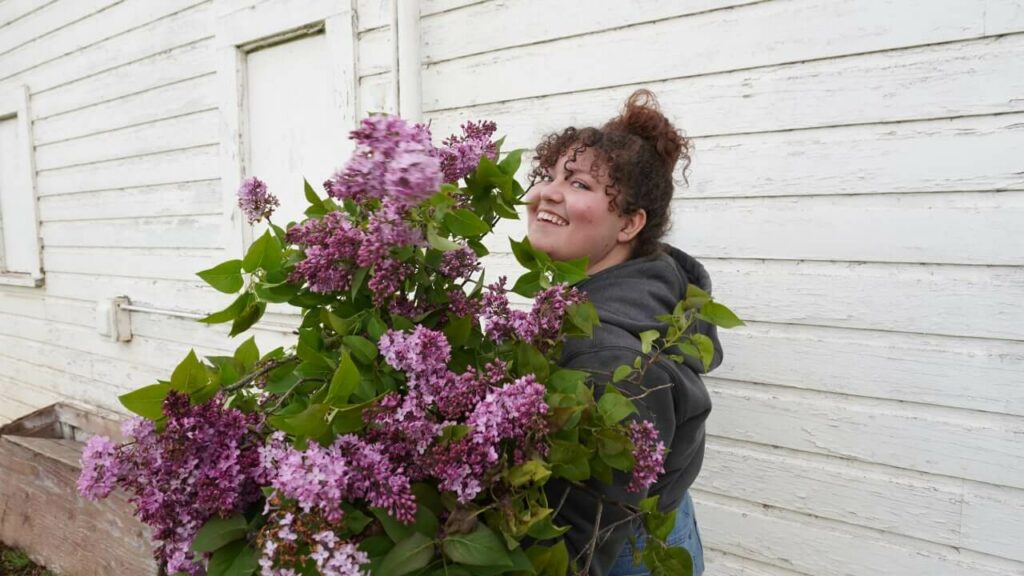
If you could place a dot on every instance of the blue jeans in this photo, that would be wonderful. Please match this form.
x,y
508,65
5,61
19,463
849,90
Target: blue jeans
x,y
684,534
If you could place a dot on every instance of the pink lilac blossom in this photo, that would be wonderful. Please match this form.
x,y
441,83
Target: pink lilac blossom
x,y
649,453
100,468
291,540
203,464
386,229
392,158
460,304
460,263
540,326
423,355
460,155
516,414
254,200
321,478
329,242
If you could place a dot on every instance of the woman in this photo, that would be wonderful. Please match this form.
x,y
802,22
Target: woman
x,y
605,193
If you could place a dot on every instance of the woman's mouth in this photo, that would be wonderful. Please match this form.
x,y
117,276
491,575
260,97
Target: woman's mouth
x,y
551,218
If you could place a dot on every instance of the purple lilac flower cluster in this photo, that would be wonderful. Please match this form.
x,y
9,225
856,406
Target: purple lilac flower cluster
x,y
461,263
290,538
203,464
649,453
496,413
392,159
540,326
254,200
321,478
461,154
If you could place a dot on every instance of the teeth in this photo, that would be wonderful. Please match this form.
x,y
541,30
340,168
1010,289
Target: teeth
x,y
548,217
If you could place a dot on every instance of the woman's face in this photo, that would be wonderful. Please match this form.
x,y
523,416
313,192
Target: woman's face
x,y
568,214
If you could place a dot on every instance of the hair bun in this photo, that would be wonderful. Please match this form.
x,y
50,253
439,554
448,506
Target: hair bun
x,y
641,115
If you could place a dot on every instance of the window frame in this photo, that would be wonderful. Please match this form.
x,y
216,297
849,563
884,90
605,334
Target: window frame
x,y
14,103
248,28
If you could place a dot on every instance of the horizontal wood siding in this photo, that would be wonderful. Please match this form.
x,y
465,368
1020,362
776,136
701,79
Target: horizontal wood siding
x,y
856,193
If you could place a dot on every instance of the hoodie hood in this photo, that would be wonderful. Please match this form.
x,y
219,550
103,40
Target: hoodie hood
x,y
630,296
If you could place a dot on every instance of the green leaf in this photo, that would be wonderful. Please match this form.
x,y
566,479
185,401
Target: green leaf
x,y
439,242
232,311
509,165
190,374
584,317
658,524
251,315
226,276
345,381
693,291
542,527
719,315
614,448
235,559
365,350
147,401
310,423
621,373
553,561
264,253
530,360
407,556
357,280
276,293
465,223
569,460
705,349
218,532
566,380
528,284
247,354
570,272
310,194
647,338
525,254
613,406
535,471
481,547
458,330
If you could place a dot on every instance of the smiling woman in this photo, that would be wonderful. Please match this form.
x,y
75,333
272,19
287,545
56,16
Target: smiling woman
x,y
605,194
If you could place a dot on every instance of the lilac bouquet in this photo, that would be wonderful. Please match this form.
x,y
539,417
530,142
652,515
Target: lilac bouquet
x,y
413,425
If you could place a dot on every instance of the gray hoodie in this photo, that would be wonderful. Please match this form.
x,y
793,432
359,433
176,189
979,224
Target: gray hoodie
x,y
628,297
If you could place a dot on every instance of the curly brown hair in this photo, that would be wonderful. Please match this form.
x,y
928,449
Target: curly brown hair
x,y
640,148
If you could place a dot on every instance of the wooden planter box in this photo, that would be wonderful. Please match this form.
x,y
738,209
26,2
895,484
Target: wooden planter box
x,y
40,510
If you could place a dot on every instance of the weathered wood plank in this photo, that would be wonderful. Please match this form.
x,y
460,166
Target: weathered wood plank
x,y
760,35
13,10
44,24
110,39
170,232
954,228
907,367
890,499
908,84
166,263
959,443
376,54
97,538
484,27
148,73
979,301
826,548
377,13
724,564
165,294
176,199
920,156
188,164
993,520
176,133
176,99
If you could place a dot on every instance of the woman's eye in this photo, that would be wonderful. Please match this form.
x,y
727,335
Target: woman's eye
x,y
582,185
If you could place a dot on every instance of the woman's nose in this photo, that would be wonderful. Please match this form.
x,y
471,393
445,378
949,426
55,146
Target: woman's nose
x,y
551,192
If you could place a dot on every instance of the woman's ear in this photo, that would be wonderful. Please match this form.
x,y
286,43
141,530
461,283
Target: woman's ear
x,y
632,224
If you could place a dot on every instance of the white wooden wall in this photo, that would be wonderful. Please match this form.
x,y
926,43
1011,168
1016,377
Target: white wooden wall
x,y
857,194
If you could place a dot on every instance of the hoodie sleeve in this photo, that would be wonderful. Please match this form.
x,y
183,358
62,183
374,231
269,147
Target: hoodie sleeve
x,y
579,508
